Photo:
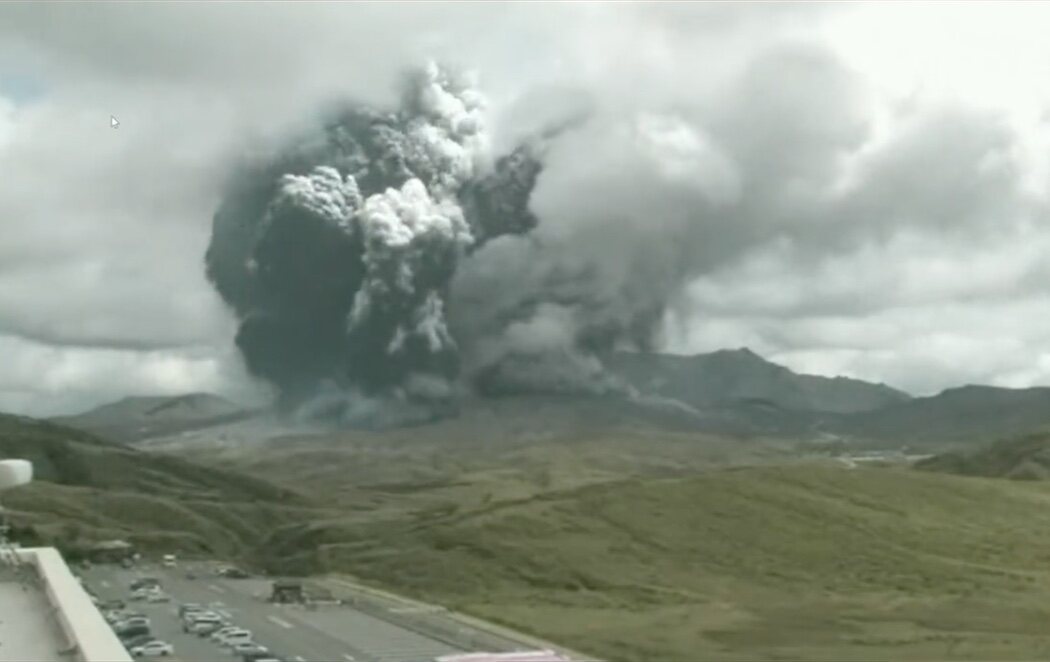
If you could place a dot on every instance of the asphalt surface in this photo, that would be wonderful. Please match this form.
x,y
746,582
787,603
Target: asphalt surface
x,y
326,634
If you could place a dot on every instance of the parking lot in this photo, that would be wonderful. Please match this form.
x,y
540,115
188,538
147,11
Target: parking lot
x,y
338,633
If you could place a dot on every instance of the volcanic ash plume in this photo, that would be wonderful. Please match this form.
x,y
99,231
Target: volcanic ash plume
x,y
338,253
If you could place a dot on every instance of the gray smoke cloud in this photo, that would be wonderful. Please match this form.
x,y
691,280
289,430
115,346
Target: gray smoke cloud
x,y
338,253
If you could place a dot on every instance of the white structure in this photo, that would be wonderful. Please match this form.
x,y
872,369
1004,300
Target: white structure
x,y
14,473
45,614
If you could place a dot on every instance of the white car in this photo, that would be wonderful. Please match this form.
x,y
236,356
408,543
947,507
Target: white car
x,y
228,631
132,621
153,649
139,594
248,648
204,628
234,638
158,596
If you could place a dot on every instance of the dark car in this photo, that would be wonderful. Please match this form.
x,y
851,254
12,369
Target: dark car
x,y
189,606
112,604
145,582
132,631
234,573
137,640
259,655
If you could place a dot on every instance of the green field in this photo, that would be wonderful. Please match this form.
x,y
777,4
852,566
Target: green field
x,y
86,489
629,546
801,562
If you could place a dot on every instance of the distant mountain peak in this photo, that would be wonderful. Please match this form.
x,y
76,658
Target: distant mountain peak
x,y
742,376
139,416
740,352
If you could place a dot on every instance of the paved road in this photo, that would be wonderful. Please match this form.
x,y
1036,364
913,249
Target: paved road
x,y
329,634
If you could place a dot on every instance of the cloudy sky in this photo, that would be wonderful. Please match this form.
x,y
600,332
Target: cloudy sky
x,y
864,187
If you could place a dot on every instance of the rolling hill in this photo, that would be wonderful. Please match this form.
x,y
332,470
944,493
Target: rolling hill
x,y
727,393
966,414
722,378
87,489
141,417
1024,458
759,563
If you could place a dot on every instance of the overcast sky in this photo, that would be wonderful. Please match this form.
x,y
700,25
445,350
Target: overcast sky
x,y
872,179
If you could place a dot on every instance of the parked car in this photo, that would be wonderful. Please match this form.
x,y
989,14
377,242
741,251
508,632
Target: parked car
x,y
144,582
153,648
231,640
189,617
189,606
137,640
194,617
139,594
131,621
158,596
205,628
234,636
268,656
131,632
248,648
226,629
233,573
191,575
168,561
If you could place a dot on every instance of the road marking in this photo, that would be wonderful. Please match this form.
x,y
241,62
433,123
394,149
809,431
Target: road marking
x,y
217,589
300,658
280,621
348,657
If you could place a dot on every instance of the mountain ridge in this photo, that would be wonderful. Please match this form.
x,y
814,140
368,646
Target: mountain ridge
x,y
716,378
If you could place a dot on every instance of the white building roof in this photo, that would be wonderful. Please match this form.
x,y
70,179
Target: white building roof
x,y
27,629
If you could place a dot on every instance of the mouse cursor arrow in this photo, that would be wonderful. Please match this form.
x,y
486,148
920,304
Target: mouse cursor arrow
x,y
113,122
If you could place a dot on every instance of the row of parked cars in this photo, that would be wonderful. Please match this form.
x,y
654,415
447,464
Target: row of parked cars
x,y
204,622
133,629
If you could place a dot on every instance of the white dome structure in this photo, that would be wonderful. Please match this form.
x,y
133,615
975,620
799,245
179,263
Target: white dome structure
x,y
14,473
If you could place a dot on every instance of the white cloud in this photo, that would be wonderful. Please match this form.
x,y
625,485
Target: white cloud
x,y
855,189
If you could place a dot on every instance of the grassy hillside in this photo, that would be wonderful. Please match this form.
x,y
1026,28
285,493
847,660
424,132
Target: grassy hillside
x,y
966,414
1026,458
88,489
726,376
800,562
466,462
139,417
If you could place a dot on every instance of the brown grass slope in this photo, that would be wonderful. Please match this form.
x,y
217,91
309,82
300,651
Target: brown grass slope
x,y
1026,457
88,489
798,562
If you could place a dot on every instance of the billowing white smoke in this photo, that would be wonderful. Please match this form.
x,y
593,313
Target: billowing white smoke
x,y
322,193
403,230
450,127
